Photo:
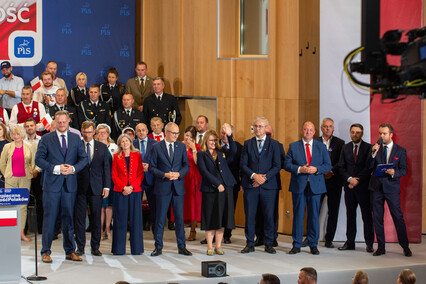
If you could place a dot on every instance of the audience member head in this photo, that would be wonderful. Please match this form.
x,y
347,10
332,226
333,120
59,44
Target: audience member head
x,y
124,143
158,85
157,125
210,141
103,132
268,278
190,133
52,67
269,131
62,119
141,69
141,131
360,278
112,76
47,79
88,130
327,127
6,69
52,126
356,132
406,276
30,127
172,132
3,132
94,93
81,80
202,123
27,95
308,131
127,101
386,132
307,275
61,97
259,126
129,131
223,136
18,133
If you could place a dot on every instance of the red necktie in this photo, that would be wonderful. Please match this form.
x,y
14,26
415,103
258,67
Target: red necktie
x,y
308,154
28,110
157,137
355,153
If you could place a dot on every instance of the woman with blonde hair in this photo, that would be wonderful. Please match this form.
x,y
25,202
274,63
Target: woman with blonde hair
x,y
4,139
127,175
17,165
79,93
360,277
406,276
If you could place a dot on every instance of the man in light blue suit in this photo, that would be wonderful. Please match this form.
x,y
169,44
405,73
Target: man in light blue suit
x,y
61,155
144,144
307,160
169,164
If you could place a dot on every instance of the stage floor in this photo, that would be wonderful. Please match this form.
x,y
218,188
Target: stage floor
x,y
331,264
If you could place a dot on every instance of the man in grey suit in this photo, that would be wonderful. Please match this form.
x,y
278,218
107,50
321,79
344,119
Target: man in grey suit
x,y
140,86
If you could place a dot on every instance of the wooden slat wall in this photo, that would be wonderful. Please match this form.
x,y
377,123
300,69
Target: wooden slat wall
x,y
424,145
179,40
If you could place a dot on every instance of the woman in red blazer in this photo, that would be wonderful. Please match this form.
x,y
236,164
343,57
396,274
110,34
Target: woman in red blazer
x,y
127,175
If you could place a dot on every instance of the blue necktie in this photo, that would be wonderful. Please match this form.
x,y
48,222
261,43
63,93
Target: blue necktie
x,y
171,152
260,145
386,154
64,145
88,152
142,145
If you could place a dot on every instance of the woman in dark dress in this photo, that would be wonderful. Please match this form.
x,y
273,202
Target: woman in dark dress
x,y
4,139
112,91
217,209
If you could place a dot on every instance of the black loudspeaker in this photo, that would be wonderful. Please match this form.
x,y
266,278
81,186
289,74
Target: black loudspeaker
x,y
213,268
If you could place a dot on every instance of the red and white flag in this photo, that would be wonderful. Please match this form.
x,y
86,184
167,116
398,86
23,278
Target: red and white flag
x,y
36,83
47,121
8,218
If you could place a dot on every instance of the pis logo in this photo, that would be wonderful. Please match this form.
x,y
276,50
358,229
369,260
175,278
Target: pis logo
x,y
24,47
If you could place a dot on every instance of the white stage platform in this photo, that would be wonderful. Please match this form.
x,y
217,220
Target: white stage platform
x,y
333,266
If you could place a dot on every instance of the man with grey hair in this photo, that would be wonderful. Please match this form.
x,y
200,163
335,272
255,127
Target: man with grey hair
x,y
260,163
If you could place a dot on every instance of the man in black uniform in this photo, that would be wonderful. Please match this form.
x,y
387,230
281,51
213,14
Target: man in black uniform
x,y
126,116
61,104
161,104
93,109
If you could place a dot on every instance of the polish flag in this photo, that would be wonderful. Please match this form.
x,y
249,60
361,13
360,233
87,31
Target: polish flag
x,y
47,121
8,218
36,83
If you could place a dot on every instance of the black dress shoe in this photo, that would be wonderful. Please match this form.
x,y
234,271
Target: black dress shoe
x,y
314,251
407,252
369,248
227,241
305,242
79,252
184,251
55,237
347,247
96,252
259,242
270,249
294,250
328,244
275,243
379,252
203,242
247,249
171,226
157,252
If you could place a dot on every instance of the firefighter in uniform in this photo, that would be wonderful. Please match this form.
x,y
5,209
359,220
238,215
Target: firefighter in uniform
x,y
61,104
126,116
93,109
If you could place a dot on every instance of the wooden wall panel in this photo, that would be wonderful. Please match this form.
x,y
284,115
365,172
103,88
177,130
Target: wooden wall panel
x,y
424,145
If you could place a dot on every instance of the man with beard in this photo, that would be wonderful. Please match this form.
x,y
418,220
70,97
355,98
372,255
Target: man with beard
x,y
10,87
202,124
52,67
46,94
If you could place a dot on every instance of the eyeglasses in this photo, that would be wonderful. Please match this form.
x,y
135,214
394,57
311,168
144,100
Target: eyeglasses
x,y
174,133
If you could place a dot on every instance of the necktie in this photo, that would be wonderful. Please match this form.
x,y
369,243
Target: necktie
x,y
355,153
28,110
64,145
61,108
171,152
157,137
386,154
260,145
200,138
88,152
128,112
141,82
308,154
159,98
142,145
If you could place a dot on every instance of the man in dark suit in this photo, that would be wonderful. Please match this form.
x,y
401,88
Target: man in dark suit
x,y
307,160
162,105
61,100
169,164
387,188
61,156
140,86
126,116
93,109
260,164
144,144
333,180
94,183
355,171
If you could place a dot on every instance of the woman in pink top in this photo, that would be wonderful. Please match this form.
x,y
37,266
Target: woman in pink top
x,y
16,165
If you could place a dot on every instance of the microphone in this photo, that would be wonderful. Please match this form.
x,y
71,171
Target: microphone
x,y
379,142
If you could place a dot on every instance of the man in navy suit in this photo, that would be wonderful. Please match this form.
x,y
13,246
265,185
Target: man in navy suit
x,y
260,164
144,144
169,164
61,156
94,183
307,160
387,188
355,171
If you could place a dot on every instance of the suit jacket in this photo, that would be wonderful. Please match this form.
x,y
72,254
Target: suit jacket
x,y
120,176
49,154
166,109
398,157
267,162
348,167
6,160
296,158
282,156
334,150
160,164
212,175
71,110
97,174
139,92
148,177
234,165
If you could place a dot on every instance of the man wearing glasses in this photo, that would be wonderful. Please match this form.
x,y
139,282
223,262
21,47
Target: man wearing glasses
x,y
169,164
